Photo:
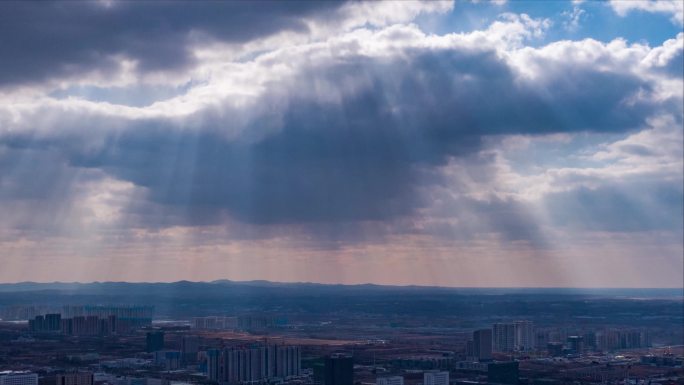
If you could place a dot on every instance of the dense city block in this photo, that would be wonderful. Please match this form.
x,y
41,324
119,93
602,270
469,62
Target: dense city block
x,y
226,333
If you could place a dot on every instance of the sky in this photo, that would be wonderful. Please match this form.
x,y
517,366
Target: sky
x,y
468,143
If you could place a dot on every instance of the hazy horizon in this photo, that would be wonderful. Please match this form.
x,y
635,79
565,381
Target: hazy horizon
x,y
258,281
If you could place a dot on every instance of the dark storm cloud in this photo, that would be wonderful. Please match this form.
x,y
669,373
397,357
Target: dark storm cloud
x,y
43,40
365,156
452,94
285,178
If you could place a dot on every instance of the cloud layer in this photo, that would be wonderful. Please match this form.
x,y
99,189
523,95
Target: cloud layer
x,y
329,126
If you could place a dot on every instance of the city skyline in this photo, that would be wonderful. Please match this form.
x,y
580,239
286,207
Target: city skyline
x,y
227,333
441,143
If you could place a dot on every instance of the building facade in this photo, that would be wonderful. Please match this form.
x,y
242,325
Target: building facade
x,y
189,349
503,373
18,378
504,337
391,380
524,336
241,365
76,378
154,341
482,344
435,377
338,370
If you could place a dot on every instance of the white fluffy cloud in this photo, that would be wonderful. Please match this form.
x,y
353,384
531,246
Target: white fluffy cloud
x,y
674,8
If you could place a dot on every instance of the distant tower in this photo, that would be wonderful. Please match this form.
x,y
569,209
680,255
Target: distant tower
x,y
53,322
504,337
524,336
189,349
213,364
555,349
482,344
338,370
576,344
75,378
154,341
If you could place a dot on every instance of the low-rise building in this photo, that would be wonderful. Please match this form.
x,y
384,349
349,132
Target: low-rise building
x,y
391,380
10,377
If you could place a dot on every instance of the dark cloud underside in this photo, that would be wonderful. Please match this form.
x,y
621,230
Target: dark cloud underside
x,y
365,157
43,40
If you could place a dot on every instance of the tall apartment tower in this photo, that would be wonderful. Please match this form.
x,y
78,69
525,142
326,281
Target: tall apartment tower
x,y
576,344
524,336
189,349
338,370
154,341
75,378
52,322
482,344
283,361
504,337
244,365
214,372
238,365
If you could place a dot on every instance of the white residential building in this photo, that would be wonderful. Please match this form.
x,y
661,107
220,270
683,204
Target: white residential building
x,y
18,378
524,336
504,337
393,380
435,377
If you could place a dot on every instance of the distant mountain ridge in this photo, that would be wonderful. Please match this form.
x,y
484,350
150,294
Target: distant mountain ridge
x,y
184,299
114,287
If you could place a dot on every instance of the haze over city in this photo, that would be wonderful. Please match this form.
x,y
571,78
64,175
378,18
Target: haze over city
x,y
440,143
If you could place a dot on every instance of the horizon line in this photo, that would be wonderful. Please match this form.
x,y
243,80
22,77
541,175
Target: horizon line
x,y
354,284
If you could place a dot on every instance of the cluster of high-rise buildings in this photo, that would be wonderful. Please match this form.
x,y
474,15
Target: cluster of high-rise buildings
x,y
606,339
92,325
521,336
46,323
74,378
501,338
93,320
24,312
121,312
249,322
172,359
214,323
514,336
237,365
614,339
